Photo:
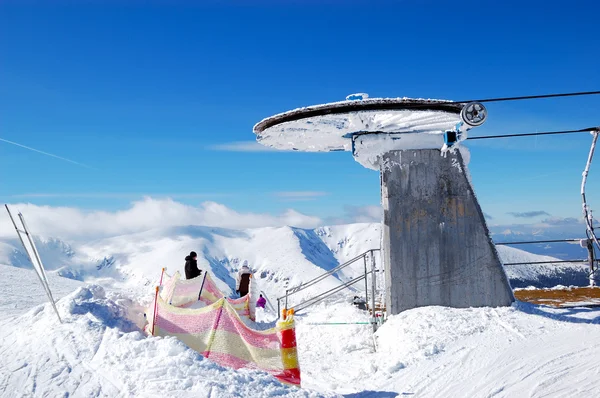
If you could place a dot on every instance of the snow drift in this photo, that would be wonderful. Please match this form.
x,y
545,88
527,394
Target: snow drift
x,y
100,350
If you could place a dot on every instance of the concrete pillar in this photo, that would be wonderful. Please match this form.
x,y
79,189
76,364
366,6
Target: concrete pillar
x,y
436,245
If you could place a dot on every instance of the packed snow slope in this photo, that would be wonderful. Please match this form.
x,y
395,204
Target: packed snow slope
x,y
519,351
523,350
99,350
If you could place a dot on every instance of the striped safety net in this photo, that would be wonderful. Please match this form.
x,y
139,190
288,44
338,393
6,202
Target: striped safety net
x,y
187,292
219,333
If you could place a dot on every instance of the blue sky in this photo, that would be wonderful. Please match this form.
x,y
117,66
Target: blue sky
x,y
156,98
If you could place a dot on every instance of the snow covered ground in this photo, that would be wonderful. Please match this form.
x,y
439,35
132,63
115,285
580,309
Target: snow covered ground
x,y
524,350
98,350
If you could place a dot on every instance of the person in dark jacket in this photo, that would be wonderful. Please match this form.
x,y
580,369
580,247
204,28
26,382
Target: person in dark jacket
x,y
191,266
242,283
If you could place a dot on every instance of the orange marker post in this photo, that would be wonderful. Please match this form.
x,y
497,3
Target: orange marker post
x,y
286,330
155,306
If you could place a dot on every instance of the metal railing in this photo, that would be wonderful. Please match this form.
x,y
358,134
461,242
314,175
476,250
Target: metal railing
x,y
590,260
329,293
322,296
363,277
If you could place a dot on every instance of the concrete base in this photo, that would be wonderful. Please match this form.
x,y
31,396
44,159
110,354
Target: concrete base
x,y
436,245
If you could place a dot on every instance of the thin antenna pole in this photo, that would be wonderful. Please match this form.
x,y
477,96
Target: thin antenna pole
x,y
35,252
366,285
39,260
37,273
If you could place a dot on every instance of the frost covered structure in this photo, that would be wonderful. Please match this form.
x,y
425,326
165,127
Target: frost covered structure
x,y
218,330
436,243
436,246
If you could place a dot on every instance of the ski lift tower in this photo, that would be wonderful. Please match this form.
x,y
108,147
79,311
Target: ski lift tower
x,y
436,246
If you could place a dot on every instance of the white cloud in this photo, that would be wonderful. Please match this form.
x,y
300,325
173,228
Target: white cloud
x,y
549,228
358,214
243,146
69,222
118,195
300,195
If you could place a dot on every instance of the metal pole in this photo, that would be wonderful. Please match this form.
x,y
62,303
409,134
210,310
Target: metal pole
x,y
35,252
39,260
366,284
590,247
202,286
373,289
278,308
586,213
46,288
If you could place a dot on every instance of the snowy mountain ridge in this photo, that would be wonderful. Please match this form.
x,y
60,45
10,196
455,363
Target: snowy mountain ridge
x,y
282,257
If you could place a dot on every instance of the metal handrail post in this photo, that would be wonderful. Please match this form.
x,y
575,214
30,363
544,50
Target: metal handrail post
x,y
366,285
373,289
278,308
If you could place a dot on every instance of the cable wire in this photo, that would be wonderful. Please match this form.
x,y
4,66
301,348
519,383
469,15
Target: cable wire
x,y
586,130
533,97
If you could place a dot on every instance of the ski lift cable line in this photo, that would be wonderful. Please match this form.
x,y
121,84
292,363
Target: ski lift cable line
x,y
549,262
586,130
537,241
527,97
